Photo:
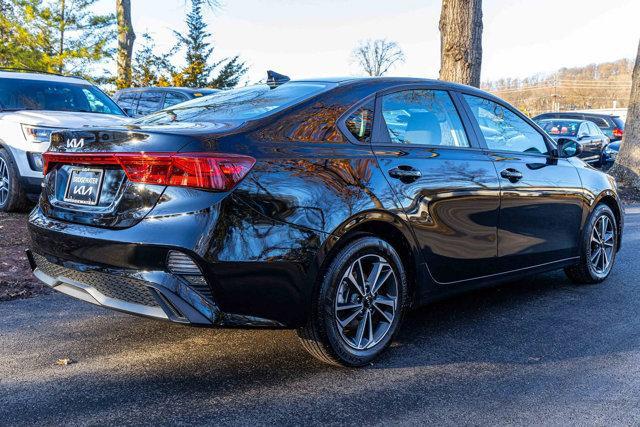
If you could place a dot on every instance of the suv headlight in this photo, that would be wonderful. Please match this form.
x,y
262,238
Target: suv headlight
x,y
37,134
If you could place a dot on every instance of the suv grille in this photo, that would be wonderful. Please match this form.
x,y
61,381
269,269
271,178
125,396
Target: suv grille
x,y
122,288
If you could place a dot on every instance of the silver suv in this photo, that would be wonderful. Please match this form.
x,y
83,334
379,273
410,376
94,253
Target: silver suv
x,y
32,105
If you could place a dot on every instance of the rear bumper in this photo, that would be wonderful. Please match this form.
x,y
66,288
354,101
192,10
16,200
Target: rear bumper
x,y
153,294
157,295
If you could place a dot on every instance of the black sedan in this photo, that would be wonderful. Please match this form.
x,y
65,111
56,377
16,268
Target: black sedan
x,y
591,139
330,206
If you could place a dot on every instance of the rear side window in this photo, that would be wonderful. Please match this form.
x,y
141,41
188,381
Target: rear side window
x,y
503,129
425,117
149,102
599,121
619,122
360,122
593,129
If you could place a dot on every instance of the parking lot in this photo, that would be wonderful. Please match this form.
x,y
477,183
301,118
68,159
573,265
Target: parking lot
x,y
541,351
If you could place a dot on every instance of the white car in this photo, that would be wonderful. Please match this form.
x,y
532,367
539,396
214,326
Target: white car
x,y
32,105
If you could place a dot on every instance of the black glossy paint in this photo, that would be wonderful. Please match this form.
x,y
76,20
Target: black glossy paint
x,y
262,245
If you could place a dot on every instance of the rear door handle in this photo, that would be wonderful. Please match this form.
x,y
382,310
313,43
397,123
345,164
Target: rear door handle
x,y
405,173
511,174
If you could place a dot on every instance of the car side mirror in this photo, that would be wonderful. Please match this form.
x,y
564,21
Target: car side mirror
x,y
128,111
568,148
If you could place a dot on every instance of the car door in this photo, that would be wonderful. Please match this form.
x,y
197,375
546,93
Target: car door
x,y
541,195
443,182
591,149
598,138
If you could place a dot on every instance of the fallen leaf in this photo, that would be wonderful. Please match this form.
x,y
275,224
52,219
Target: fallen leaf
x,y
64,362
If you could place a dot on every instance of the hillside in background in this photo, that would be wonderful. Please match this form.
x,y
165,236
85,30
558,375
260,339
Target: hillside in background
x,y
595,86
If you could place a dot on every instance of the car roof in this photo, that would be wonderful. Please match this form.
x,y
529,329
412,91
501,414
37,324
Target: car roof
x,y
167,89
42,77
392,81
582,113
555,119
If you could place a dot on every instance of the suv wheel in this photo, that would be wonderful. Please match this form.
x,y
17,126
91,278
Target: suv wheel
x,y
599,247
359,304
11,197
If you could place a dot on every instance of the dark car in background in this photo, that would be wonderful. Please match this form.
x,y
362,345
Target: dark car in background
x,y
331,206
140,101
610,124
592,140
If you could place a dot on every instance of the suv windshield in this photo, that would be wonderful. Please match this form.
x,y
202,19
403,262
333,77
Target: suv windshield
x,y
27,94
238,104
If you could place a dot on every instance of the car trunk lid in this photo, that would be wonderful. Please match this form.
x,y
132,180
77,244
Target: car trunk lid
x,y
94,176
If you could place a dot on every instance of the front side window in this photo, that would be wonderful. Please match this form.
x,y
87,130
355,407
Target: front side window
x,y
426,117
149,102
503,129
173,98
360,122
127,100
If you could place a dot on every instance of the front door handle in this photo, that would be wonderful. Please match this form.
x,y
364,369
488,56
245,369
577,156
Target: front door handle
x,y
405,173
511,174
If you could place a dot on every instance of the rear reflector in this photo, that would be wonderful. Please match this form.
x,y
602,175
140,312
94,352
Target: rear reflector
x,y
209,171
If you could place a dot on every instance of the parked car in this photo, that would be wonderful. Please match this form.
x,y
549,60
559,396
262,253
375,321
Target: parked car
x,y
330,206
32,105
137,102
610,153
590,137
611,125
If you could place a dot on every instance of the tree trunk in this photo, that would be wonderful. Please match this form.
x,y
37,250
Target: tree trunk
x,y
461,41
626,169
126,37
63,24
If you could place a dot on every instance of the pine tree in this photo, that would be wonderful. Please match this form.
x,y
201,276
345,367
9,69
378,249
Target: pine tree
x,y
150,68
199,68
62,36
198,49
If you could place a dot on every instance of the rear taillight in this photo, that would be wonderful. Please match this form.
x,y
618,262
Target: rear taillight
x,y
209,171
617,132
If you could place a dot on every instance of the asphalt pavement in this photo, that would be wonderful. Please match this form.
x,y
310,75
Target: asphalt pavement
x,y
538,351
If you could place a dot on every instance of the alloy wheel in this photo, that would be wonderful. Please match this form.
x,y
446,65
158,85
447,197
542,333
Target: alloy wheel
x,y
4,182
603,237
366,302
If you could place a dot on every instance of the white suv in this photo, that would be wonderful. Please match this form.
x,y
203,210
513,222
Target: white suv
x,y
32,105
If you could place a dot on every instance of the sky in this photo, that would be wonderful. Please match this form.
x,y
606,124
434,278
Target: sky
x,y
313,38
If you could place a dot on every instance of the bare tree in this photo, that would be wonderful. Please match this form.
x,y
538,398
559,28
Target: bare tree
x,y
461,41
126,37
627,166
376,57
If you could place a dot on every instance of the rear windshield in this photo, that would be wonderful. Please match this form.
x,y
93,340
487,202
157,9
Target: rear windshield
x,y
237,104
560,127
26,94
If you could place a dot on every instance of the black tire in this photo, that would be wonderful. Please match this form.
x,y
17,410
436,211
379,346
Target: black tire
x,y
322,337
587,271
15,200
